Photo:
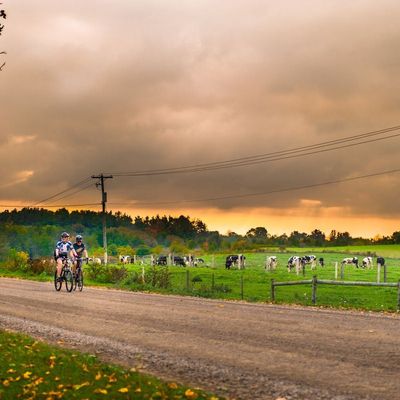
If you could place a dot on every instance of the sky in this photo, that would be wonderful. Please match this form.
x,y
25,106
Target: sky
x,y
121,86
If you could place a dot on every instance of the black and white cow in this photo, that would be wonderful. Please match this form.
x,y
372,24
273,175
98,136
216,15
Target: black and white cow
x,y
350,260
294,262
321,261
233,260
125,259
177,260
310,259
192,261
367,262
271,263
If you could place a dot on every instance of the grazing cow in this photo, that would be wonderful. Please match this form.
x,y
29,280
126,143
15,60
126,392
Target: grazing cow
x,y
94,260
321,262
233,260
350,260
311,259
271,263
367,262
125,259
294,262
381,261
162,260
192,261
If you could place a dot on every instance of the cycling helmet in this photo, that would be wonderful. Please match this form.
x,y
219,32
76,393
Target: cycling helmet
x,y
65,234
78,237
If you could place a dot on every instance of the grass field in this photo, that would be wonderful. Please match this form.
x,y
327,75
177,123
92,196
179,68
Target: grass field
x,y
254,284
33,370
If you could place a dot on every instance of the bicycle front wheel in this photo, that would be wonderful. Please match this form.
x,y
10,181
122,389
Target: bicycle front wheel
x,y
79,280
57,282
69,281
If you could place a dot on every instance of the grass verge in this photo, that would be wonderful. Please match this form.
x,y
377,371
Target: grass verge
x,y
30,369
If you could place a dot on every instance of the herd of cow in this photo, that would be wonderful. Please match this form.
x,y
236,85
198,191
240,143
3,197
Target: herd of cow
x,y
239,261
299,262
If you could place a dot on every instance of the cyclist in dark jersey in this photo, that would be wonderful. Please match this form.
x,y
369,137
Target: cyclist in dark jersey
x,y
80,249
63,249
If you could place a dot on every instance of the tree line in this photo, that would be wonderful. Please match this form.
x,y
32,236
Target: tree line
x,y
35,231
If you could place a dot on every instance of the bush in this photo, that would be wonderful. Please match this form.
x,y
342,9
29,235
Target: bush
x,y
158,277
106,273
17,261
38,267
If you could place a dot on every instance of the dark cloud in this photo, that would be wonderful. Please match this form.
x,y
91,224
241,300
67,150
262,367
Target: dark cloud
x,y
125,86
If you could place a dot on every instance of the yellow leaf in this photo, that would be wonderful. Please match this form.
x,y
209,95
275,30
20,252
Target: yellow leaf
x,y
85,368
6,383
123,390
56,378
190,394
98,376
213,398
77,387
27,374
60,386
138,390
101,391
38,381
112,378
52,357
11,371
172,385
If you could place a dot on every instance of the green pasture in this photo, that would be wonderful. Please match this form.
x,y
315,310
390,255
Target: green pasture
x,y
34,370
253,284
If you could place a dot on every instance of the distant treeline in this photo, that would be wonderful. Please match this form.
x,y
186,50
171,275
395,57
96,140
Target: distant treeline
x,y
35,231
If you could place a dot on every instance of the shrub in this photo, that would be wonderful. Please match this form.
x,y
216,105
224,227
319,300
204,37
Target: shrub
x,y
106,273
159,277
17,260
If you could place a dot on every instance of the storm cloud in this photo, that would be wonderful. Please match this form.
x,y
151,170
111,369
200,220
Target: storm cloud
x,y
101,86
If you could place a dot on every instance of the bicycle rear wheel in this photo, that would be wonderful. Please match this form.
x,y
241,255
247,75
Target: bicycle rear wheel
x,y
57,283
69,280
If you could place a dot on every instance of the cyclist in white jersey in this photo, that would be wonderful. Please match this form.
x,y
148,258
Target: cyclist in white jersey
x,y
63,249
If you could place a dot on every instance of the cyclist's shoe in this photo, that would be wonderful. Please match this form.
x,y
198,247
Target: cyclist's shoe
x,y
59,279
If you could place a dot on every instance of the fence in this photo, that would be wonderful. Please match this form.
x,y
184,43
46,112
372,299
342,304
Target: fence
x,y
315,281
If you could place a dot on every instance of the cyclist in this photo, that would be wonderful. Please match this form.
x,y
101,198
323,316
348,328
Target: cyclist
x,y
63,249
80,249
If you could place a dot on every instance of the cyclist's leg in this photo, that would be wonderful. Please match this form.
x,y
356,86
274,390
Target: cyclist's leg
x,y
59,266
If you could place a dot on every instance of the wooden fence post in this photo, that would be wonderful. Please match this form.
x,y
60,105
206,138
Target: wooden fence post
x,y
187,280
213,261
272,290
241,286
212,282
336,270
378,275
314,289
384,273
143,281
134,258
152,260
303,267
342,271
398,296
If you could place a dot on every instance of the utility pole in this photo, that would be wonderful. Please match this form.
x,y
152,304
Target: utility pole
x,y
103,203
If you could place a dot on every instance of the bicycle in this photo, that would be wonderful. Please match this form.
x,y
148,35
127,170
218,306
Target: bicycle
x,y
66,276
78,275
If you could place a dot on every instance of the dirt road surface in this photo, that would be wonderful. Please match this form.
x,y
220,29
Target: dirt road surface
x,y
235,349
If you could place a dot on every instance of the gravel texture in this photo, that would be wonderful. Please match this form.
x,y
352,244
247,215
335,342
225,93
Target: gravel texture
x,y
235,349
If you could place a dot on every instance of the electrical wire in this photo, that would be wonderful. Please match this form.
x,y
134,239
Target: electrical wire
x,y
269,157
226,197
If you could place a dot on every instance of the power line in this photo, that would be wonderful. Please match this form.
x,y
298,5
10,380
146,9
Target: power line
x,y
48,206
272,156
90,185
62,192
293,188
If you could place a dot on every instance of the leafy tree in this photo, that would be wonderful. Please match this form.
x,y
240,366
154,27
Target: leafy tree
x,y
258,235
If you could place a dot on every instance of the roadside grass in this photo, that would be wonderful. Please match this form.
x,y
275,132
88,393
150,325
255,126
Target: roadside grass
x,y
213,281
34,370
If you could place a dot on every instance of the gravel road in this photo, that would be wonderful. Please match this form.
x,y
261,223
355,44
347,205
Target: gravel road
x,y
235,349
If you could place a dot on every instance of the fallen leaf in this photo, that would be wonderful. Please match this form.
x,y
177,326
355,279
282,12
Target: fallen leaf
x,y
123,390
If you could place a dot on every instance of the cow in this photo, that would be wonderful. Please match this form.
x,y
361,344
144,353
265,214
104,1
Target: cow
x,y
192,261
233,260
294,262
94,260
177,260
310,259
125,259
367,262
271,263
381,261
321,261
350,260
